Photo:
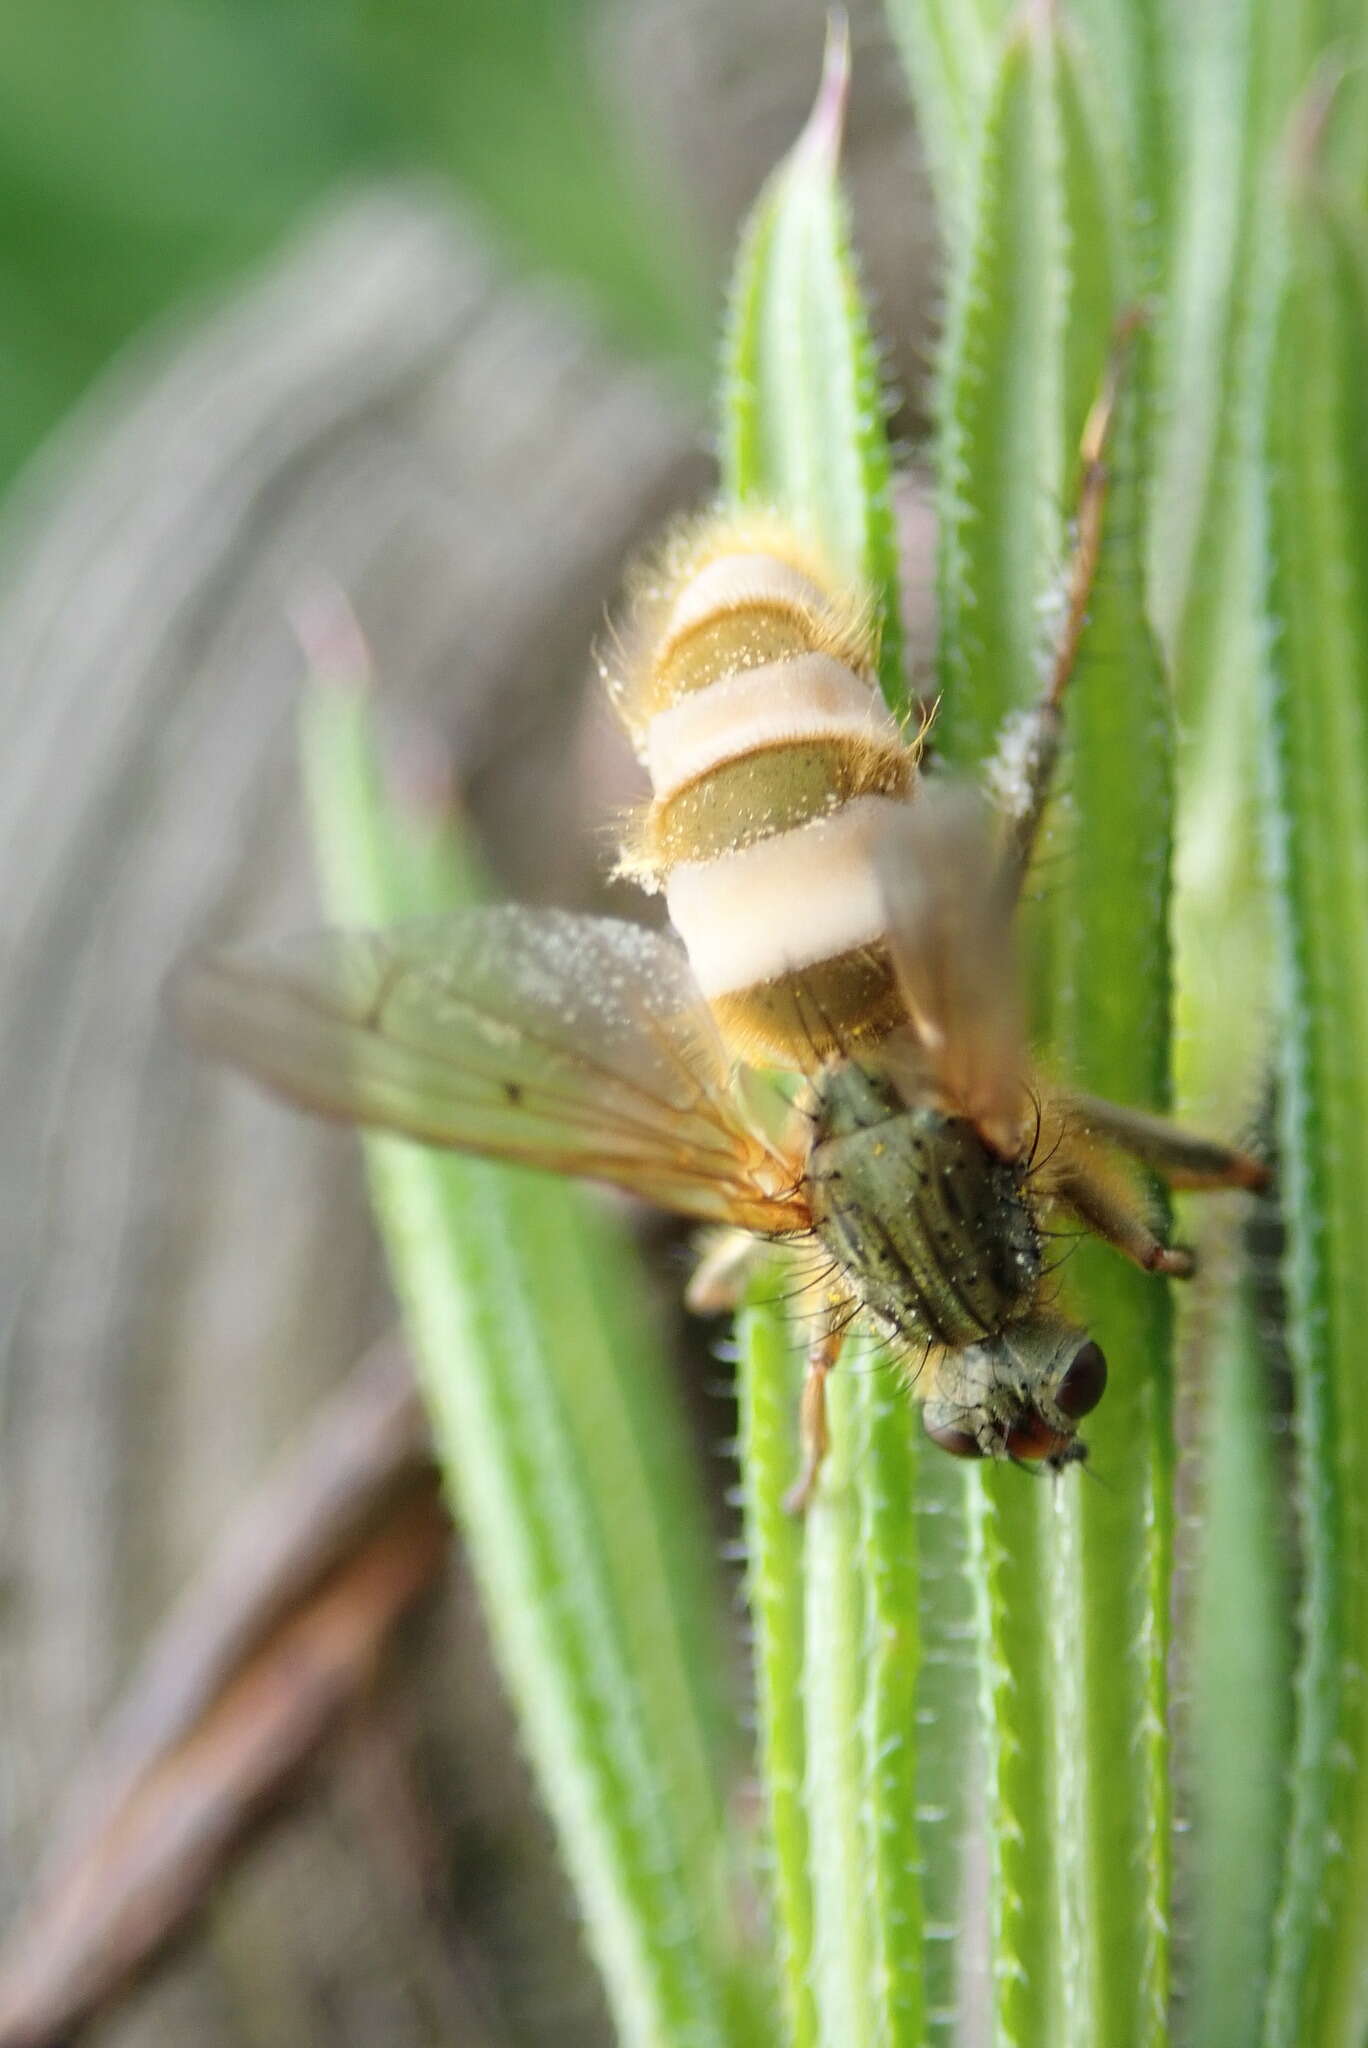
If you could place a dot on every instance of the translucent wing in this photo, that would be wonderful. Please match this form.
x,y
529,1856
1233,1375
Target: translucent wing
x,y
575,1043
949,932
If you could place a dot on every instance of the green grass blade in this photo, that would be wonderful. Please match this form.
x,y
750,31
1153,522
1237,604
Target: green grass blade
x,y
1006,1566
1317,442
1000,456
833,1699
1241,1696
1074,1597
1000,480
890,1657
947,1770
1128,40
769,1377
1112,1025
564,1452
949,49
1233,74
803,428
802,399
1230,74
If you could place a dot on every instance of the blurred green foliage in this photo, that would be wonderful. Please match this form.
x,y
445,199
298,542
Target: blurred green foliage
x,y
149,149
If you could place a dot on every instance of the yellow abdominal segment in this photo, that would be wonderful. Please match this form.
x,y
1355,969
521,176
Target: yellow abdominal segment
x,y
752,698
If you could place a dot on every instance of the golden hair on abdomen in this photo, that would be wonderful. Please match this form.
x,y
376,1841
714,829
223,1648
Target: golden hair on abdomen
x,y
749,685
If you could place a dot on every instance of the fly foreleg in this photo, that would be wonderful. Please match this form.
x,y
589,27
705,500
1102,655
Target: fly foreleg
x,y
1177,1156
823,1353
728,1263
1101,1200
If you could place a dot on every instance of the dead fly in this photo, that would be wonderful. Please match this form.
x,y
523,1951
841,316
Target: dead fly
x,y
841,920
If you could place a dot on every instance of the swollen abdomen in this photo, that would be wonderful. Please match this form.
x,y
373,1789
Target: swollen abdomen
x,y
755,706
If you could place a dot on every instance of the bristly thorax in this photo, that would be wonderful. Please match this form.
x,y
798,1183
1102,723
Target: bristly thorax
x,y
932,1229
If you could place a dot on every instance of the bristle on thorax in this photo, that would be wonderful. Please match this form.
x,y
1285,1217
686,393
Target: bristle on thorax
x,y
753,700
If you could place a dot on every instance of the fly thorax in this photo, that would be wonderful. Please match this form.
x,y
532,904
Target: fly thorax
x,y
932,1229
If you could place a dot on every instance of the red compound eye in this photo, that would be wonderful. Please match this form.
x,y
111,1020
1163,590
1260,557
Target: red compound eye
x,y
1084,1384
961,1443
1032,1438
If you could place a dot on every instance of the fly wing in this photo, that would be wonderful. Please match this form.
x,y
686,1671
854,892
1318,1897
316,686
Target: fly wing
x,y
949,933
579,1044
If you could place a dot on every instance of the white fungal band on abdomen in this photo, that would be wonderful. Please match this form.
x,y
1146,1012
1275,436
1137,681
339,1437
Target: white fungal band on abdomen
x,y
803,697
753,699
730,582
782,904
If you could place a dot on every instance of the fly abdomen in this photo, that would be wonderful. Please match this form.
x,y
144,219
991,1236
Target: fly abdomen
x,y
933,1230
754,704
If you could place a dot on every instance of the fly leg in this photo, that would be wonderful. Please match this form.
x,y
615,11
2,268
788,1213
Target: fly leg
x,y
1113,1211
1177,1156
723,1273
823,1353
1028,752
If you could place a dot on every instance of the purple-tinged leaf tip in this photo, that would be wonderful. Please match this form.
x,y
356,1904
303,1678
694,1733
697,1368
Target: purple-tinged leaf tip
x,y
336,652
825,128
